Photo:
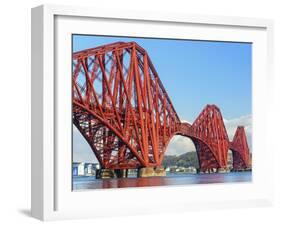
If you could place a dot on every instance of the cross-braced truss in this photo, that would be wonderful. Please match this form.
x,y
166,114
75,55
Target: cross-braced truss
x,y
209,135
240,150
124,112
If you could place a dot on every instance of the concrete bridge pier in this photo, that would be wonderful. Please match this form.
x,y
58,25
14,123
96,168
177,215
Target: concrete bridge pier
x,y
121,173
213,170
158,171
223,170
111,173
105,174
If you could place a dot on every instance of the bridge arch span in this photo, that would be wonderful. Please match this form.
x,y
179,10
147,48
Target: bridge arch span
x,y
205,155
122,109
210,138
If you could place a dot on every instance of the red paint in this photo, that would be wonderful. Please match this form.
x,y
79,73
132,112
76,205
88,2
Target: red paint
x,y
123,111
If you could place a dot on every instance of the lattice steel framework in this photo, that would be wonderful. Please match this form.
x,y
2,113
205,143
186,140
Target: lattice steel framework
x,y
240,150
123,111
121,107
209,135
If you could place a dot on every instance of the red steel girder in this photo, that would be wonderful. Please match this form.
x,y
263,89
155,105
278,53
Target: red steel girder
x,y
209,135
123,111
240,150
121,107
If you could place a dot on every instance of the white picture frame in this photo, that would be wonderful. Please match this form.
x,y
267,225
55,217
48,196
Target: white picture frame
x,y
52,197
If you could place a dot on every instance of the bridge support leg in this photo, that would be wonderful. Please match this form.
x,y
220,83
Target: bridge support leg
x,y
121,173
223,170
158,171
105,174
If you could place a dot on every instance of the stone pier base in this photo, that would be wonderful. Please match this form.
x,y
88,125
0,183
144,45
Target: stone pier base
x,y
121,173
213,170
105,174
222,170
158,171
111,173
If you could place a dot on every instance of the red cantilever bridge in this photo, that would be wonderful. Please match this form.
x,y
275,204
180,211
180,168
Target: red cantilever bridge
x,y
123,111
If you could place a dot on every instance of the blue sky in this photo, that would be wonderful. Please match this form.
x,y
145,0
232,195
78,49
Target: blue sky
x,y
194,74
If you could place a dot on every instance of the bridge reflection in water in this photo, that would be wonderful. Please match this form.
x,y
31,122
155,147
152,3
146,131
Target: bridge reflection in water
x,y
83,183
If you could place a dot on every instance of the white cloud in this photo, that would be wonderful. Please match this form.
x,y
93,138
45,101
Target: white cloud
x,y
246,121
183,120
179,145
232,124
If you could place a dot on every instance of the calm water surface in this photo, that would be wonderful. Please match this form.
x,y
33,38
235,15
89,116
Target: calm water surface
x,y
89,182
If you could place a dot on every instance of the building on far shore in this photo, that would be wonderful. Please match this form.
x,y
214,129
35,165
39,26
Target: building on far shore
x,y
181,169
84,169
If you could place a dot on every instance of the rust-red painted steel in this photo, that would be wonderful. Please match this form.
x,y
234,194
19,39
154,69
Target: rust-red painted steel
x,y
240,150
123,111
